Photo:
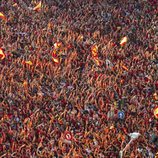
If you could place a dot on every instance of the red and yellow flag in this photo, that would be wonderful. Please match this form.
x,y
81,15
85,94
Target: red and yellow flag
x,y
25,84
38,7
15,5
156,112
80,38
2,16
57,45
94,50
2,55
123,41
124,67
56,60
28,62
97,61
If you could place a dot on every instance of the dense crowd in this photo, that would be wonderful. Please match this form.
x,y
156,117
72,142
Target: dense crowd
x,y
65,79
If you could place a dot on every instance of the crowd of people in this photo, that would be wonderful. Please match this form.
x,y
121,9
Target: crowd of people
x,y
65,79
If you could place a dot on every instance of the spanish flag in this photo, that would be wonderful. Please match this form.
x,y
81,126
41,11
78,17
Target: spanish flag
x,y
80,38
94,50
2,16
15,5
97,61
123,41
25,85
57,45
2,55
124,67
55,59
28,62
38,7
156,112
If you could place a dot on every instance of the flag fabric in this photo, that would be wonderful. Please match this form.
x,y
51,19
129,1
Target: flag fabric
x,y
94,50
57,45
156,112
15,5
124,67
2,55
2,16
25,85
123,41
97,61
80,38
55,59
28,62
38,7
134,135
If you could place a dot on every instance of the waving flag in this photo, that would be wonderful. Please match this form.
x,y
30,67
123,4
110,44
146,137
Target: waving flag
x,y
124,67
38,7
28,62
123,41
2,55
2,16
15,5
97,61
57,45
94,50
156,112
80,38
55,59
133,137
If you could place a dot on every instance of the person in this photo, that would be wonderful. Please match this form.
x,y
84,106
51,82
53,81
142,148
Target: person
x,y
80,93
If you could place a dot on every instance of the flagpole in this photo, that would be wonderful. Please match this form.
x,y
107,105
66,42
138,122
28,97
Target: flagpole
x,y
133,136
121,151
